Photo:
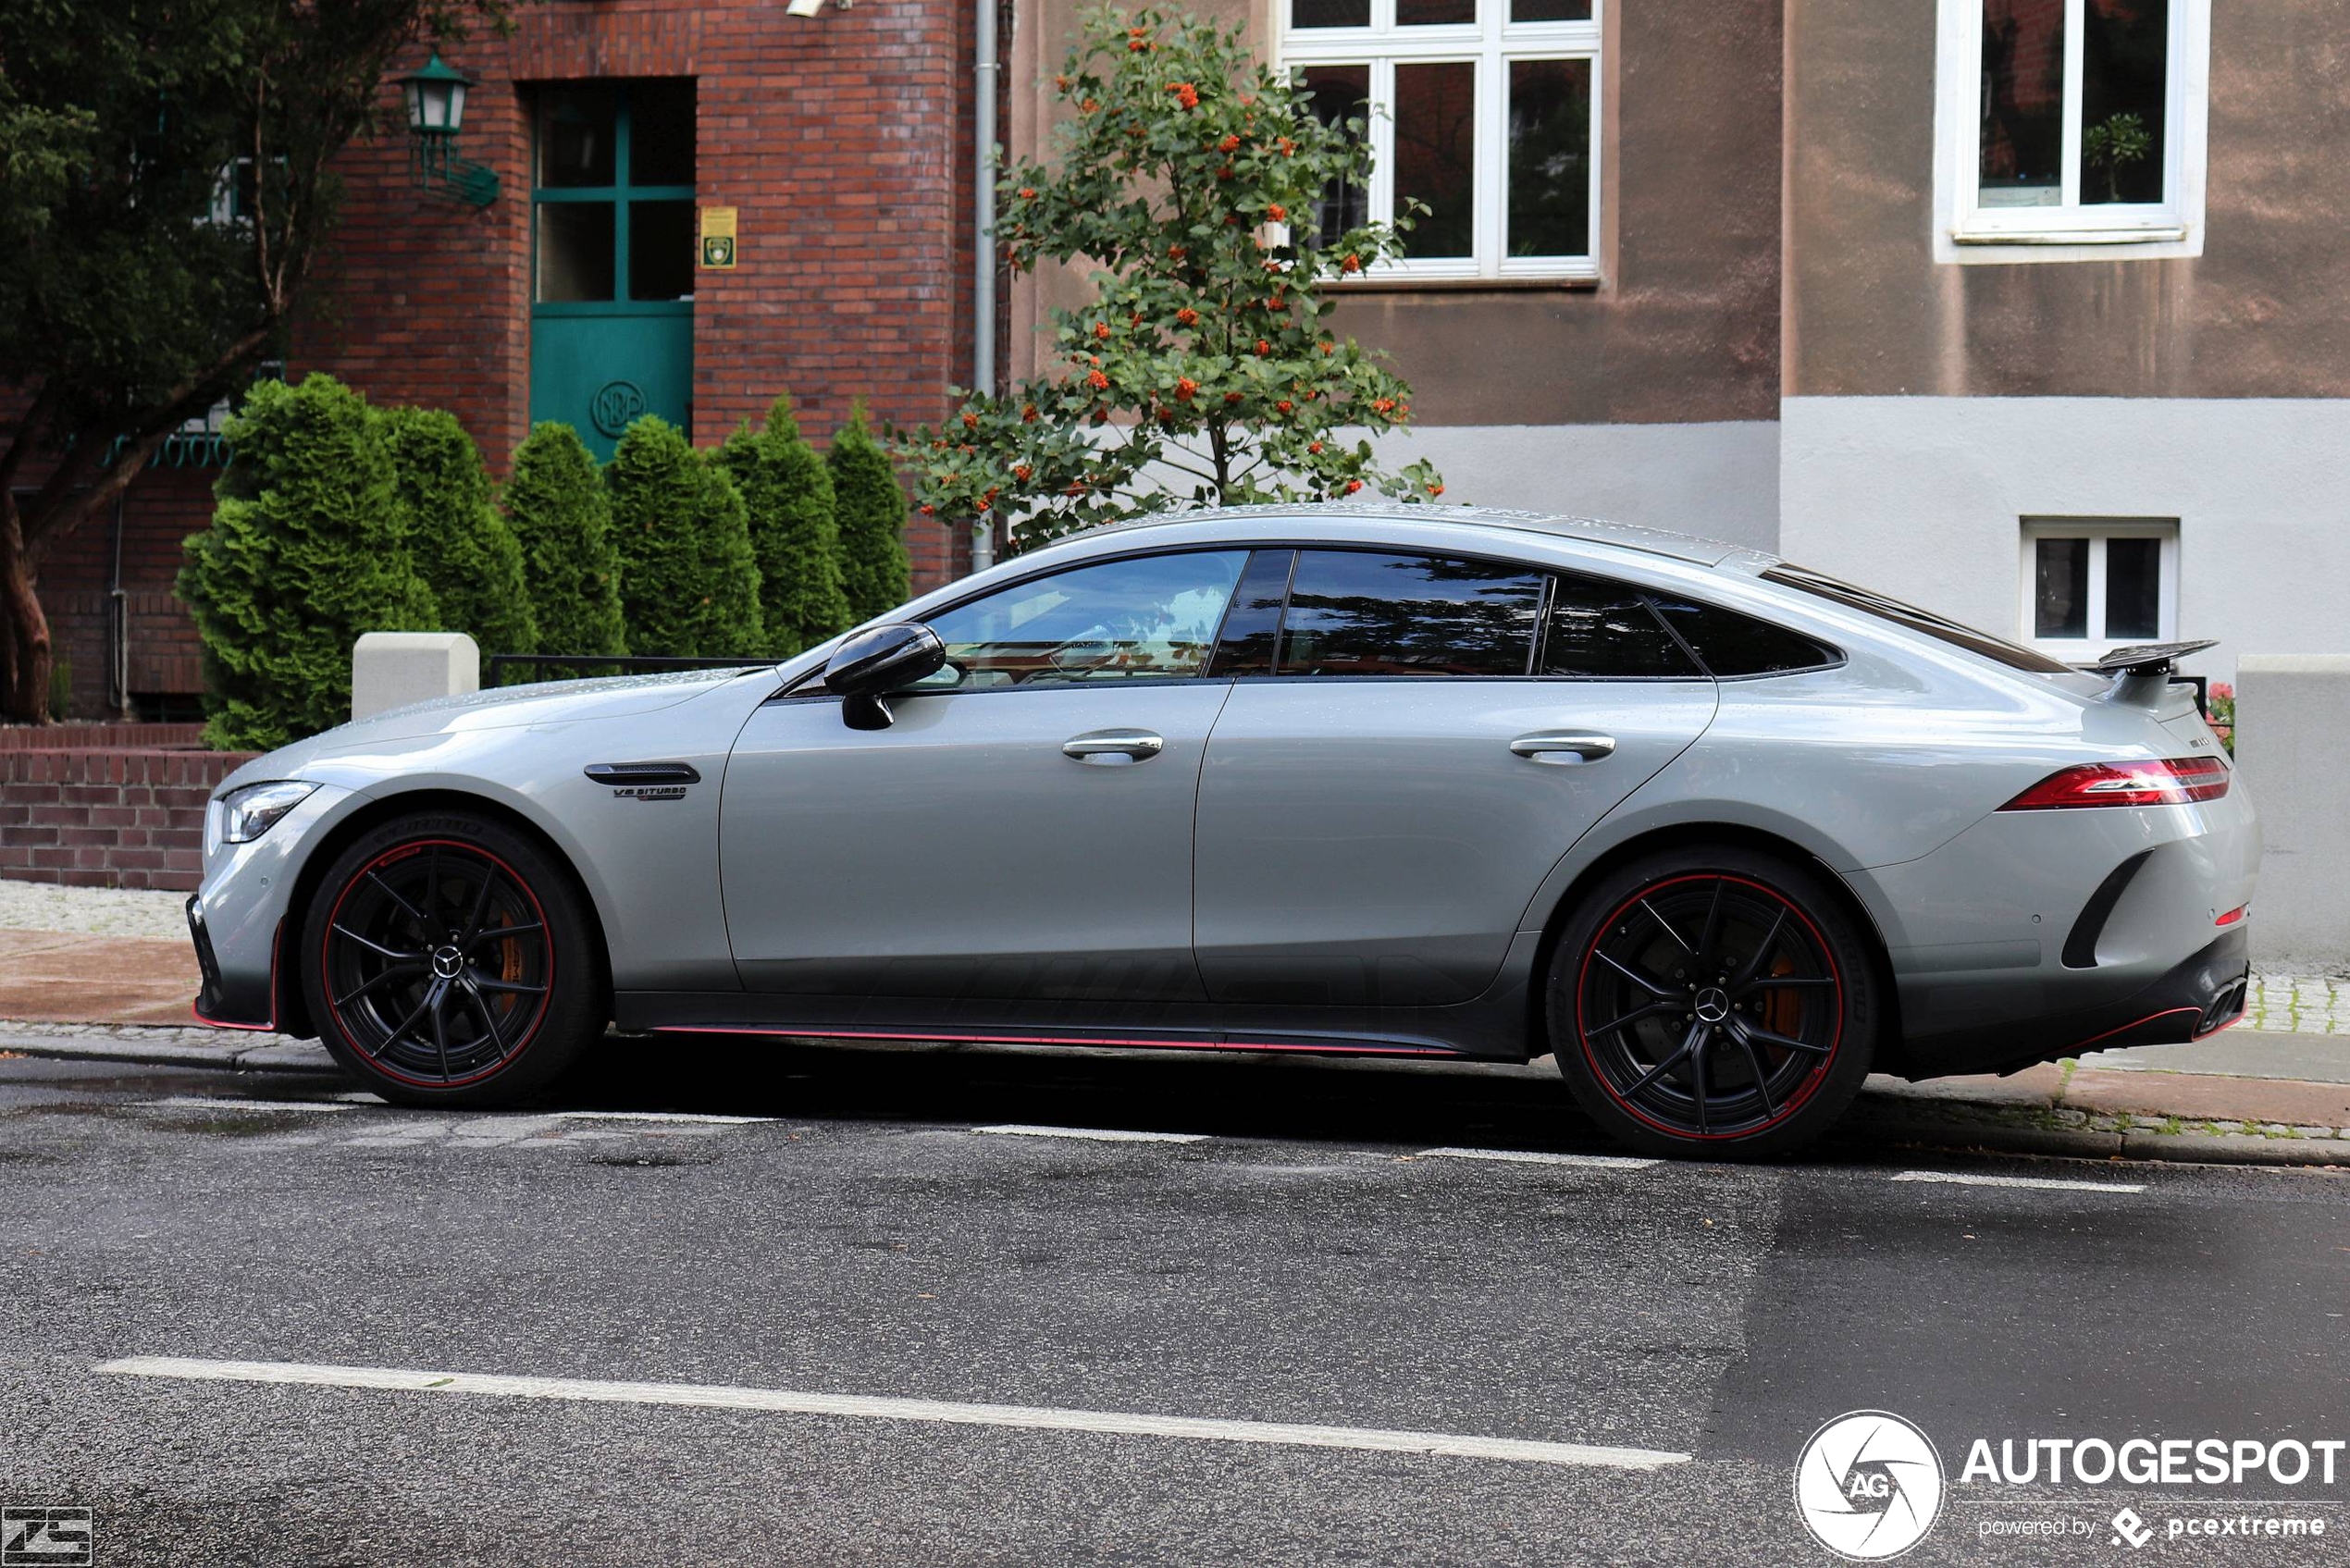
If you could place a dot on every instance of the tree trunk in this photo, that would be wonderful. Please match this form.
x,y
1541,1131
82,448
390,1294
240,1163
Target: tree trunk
x,y
26,695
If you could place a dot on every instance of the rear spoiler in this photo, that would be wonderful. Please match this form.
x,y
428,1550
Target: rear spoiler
x,y
2143,672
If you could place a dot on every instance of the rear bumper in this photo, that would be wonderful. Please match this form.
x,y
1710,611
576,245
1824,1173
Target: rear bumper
x,y
2195,997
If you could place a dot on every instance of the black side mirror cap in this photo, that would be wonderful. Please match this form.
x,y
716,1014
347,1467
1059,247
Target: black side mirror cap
x,y
876,661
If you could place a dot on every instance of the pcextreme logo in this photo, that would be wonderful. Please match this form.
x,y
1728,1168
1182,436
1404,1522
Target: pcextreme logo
x,y
1868,1485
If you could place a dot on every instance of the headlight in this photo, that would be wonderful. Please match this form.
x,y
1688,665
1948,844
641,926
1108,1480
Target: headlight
x,y
245,814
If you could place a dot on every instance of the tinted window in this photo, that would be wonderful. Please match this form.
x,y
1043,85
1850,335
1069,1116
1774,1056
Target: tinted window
x,y
1916,620
1149,618
1351,613
1731,644
1606,630
1255,623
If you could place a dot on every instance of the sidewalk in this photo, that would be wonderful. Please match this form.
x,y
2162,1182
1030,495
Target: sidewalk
x,y
109,974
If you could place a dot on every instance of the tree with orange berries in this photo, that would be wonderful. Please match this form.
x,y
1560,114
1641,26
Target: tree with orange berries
x,y
1203,370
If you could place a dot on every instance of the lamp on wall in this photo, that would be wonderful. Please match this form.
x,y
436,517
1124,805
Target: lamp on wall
x,y
813,8
435,93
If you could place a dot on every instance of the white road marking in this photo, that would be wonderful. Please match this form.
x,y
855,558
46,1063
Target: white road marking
x,y
660,1116
2050,1183
206,1103
1095,1134
1032,1417
1532,1156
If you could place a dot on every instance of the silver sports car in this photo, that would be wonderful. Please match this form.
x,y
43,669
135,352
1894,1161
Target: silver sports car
x,y
1719,833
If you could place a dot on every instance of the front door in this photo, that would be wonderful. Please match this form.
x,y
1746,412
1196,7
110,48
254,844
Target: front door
x,y
612,321
1398,771
1022,829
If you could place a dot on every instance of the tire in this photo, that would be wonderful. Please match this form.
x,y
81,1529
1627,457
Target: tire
x,y
413,990
1760,1055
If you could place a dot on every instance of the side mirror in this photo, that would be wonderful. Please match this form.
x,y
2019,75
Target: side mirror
x,y
877,662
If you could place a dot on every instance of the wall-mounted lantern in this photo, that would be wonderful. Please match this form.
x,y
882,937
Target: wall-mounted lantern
x,y
435,98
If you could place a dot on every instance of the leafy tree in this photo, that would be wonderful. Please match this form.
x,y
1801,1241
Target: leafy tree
x,y
789,493
462,546
1194,176
307,549
127,305
873,568
556,504
689,581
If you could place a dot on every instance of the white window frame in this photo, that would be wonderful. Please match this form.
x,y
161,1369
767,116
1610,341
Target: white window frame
x,y
2098,531
1491,43
1969,232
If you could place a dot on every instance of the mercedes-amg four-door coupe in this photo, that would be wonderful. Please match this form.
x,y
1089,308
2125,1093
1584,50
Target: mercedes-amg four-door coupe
x,y
1718,834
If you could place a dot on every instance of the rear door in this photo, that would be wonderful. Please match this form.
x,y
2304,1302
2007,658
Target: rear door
x,y
1411,743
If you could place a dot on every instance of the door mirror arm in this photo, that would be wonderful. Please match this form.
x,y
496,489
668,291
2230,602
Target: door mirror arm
x,y
877,662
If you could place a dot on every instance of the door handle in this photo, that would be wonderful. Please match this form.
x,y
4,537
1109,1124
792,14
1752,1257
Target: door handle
x,y
1113,749
1566,748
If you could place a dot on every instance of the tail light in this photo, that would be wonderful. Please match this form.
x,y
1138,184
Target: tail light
x,y
2177,782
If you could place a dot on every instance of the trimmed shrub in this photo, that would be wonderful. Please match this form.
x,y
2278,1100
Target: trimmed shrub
x,y
787,491
308,548
462,546
689,584
556,504
873,568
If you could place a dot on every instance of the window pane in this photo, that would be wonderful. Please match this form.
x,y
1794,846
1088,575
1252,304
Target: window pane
x,y
660,250
576,127
2133,588
575,251
1122,620
661,133
2125,60
1549,211
1331,13
1434,13
1355,613
2061,588
1435,156
1733,645
1549,10
1606,630
1340,94
1254,625
2023,103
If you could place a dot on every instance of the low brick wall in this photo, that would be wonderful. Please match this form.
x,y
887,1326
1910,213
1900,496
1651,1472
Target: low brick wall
x,y
107,818
87,738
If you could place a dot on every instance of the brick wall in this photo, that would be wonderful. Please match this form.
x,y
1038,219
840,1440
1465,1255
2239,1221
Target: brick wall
x,y
107,818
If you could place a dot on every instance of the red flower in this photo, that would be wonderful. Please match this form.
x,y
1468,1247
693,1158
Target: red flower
x,y
1101,330
930,512
988,499
1352,263
1028,414
1028,193
1224,173
1382,405
1076,487
1138,46
1314,447
970,422
1061,84
1187,317
1021,471
1262,348
1089,106
1276,212
1231,397
1352,486
1284,406
1287,147
1229,144
1097,380
1436,489
1185,93
1184,388
1177,252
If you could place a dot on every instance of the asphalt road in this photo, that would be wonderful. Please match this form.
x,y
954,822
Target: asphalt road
x,y
1305,1261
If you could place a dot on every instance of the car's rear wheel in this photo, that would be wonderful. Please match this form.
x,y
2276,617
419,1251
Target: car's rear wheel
x,y
1713,1000
449,961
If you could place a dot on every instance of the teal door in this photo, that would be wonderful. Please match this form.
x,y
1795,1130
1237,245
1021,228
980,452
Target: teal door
x,y
611,318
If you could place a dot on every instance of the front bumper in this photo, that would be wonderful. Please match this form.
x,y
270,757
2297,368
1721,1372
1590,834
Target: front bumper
x,y
238,918
247,1001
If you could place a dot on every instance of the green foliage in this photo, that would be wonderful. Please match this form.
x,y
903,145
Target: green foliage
x,y
688,581
556,504
2114,143
462,546
789,493
306,550
1191,174
873,568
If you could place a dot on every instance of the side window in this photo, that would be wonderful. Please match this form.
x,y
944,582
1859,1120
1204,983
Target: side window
x,y
1352,613
1731,644
1605,631
1149,618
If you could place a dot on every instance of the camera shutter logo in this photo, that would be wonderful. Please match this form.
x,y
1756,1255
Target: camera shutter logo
x,y
45,1538
1868,1485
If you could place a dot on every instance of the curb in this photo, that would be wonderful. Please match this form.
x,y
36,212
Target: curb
x,y
2084,1143
255,1058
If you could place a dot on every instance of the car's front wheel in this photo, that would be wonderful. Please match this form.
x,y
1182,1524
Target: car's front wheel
x,y
449,961
1713,1000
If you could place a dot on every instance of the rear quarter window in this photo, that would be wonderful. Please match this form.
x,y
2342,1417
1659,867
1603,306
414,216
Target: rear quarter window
x,y
1730,644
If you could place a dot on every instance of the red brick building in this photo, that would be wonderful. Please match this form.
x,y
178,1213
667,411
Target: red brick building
x,y
842,141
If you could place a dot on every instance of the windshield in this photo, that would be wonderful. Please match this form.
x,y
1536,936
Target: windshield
x,y
2014,655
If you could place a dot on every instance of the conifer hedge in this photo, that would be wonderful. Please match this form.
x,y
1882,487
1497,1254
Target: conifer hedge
x,y
561,517
462,546
873,567
788,492
689,581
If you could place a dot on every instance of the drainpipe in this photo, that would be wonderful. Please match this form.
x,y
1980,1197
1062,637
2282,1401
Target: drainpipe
x,y
983,71
117,623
